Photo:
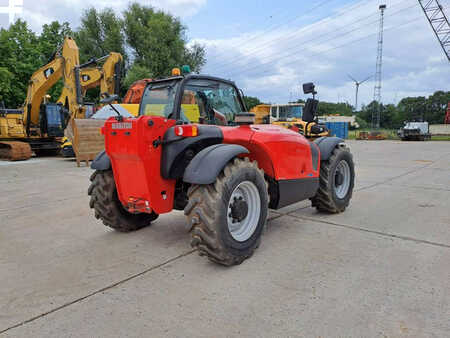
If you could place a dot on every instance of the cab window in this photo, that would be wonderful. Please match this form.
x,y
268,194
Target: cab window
x,y
274,112
209,102
284,111
158,99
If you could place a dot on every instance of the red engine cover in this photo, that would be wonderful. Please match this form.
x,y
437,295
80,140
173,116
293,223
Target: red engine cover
x,y
136,162
282,153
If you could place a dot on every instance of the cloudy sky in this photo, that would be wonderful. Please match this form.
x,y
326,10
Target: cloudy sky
x,y
270,47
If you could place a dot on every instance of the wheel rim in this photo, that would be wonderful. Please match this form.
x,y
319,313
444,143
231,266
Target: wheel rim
x,y
243,211
342,184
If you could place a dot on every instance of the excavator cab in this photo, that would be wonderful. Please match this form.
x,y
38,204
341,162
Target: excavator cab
x,y
52,120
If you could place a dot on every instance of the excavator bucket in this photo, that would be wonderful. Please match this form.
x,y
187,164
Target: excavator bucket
x,y
15,151
87,140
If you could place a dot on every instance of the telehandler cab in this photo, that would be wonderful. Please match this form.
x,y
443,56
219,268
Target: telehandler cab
x,y
194,148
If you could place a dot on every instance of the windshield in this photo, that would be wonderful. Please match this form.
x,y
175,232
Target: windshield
x,y
203,101
158,99
209,102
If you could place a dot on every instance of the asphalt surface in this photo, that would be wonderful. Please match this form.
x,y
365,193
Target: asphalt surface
x,y
382,268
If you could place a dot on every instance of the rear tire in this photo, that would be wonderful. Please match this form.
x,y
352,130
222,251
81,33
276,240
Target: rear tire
x,y
109,209
337,177
227,218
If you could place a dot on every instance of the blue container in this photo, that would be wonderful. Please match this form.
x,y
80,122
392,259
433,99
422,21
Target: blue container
x,y
339,129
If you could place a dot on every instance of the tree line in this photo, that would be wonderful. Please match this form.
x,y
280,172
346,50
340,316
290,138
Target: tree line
x,y
151,41
392,116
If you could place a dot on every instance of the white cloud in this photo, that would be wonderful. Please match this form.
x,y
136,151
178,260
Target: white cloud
x,y
37,13
181,8
271,64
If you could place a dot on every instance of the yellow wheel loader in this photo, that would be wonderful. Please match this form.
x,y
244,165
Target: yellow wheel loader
x,y
288,116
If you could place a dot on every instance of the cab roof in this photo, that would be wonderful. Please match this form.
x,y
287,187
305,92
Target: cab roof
x,y
193,77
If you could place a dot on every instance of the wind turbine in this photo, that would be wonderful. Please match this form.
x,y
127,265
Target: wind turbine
x,y
357,84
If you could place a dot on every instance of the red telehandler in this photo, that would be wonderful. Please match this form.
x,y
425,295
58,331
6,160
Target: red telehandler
x,y
194,148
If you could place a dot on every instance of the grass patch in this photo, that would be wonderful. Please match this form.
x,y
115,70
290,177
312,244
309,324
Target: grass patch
x,y
440,138
392,135
389,133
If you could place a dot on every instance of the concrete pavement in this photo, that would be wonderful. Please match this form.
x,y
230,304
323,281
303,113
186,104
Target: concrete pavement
x,y
380,268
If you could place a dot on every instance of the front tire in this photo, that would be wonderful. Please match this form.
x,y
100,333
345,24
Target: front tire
x,y
109,209
337,178
227,218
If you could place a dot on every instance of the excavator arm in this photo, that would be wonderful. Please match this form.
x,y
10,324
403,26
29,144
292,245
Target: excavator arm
x,y
41,81
112,71
107,77
63,65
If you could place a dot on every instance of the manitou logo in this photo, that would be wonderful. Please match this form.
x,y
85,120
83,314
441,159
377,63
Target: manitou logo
x,y
14,7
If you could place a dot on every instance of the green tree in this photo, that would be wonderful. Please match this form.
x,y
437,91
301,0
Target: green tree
x,y
136,72
6,78
158,41
194,56
329,108
251,101
19,58
99,34
437,106
52,38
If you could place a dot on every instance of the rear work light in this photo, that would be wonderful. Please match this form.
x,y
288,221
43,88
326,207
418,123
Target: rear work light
x,y
186,131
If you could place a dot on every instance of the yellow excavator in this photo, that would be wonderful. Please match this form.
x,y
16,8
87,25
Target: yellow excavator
x,y
106,77
39,126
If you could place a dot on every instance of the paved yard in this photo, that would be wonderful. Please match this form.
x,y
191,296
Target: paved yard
x,y
382,268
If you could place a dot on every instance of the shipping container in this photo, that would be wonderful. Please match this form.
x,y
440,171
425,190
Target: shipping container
x,y
339,129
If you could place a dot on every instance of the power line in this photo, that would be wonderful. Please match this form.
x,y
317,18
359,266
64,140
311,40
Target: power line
x,y
310,27
360,39
302,47
264,32
314,39
270,42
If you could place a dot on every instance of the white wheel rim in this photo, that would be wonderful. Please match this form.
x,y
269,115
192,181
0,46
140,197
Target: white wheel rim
x,y
343,169
242,230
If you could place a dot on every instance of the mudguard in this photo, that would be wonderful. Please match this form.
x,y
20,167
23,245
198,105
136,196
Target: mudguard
x,y
101,162
326,146
208,163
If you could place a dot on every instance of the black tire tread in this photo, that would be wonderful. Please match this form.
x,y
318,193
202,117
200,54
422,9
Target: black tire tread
x,y
202,216
323,200
108,208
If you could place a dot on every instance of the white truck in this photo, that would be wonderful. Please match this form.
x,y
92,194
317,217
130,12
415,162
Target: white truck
x,y
414,131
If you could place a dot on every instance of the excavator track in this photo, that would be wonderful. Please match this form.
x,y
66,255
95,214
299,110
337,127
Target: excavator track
x,y
15,150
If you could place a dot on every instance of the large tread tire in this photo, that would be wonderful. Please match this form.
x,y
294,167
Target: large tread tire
x,y
325,199
207,211
109,209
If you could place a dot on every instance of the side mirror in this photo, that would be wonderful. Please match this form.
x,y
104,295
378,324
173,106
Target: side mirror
x,y
309,88
108,99
310,110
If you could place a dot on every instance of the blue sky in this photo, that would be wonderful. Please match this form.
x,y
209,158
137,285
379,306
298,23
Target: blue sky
x,y
226,19
270,47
